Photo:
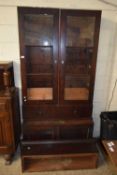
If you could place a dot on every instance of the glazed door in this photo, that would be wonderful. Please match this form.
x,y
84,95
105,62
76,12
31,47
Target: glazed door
x,y
79,39
39,54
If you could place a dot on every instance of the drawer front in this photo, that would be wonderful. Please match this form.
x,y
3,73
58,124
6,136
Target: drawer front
x,y
31,164
6,135
75,132
35,132
60,112
58,155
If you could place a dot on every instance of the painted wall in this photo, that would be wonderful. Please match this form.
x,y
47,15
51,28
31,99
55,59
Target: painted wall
x,y
106,72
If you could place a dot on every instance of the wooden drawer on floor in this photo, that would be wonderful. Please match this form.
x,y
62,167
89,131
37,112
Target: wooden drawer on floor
x,y
58,156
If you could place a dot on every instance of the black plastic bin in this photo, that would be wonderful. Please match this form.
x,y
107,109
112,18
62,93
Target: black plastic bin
x,y
108,129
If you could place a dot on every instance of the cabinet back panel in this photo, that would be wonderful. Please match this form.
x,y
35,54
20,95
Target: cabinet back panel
x,y
39,59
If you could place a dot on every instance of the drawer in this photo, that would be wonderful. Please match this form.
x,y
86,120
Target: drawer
x,y
60,112
75,132
59,156
73,162
62,129
35,132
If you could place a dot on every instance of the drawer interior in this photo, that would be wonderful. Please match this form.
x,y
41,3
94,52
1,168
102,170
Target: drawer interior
x,y
32,164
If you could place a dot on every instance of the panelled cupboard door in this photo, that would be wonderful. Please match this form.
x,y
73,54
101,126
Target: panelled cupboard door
x,y
38,29
78,52
6,138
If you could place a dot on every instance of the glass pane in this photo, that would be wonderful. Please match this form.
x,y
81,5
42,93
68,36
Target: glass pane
x,y
38,29
80,31
39,59
76,88
79,51
39,56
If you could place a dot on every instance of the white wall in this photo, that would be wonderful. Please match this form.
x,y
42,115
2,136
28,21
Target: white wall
x,y
106,72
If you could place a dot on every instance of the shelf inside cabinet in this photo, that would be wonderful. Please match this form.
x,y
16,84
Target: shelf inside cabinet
x,y
40,93
76,94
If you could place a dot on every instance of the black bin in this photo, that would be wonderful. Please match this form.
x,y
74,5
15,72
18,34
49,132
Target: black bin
x,y
108,129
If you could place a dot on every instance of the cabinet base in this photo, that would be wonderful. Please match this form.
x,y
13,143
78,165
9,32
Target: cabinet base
x,y
67,155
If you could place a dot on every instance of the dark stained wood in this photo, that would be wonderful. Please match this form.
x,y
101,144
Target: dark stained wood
x,y
59,163
56,130
82,54
9,115
9,122
59,156
37,55
58,71
48,112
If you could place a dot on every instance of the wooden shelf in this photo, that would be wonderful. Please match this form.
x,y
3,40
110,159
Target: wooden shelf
x,y
40,93
76,94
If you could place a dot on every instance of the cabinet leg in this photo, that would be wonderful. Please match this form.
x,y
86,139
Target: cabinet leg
x,y
8,159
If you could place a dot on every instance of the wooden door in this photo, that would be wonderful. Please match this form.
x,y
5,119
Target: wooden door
x,y
38,30
6,134
6,138
78,52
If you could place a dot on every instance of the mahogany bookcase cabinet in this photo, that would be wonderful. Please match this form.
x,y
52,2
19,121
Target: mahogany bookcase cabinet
x,y
58,51
9,112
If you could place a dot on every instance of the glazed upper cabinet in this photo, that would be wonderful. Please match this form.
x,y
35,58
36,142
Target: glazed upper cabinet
x,y
39,30
58,54
78,41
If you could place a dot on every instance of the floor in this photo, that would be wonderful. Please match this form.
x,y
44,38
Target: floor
x,y
104,168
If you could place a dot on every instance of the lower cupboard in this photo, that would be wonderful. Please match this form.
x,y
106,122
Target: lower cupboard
x,y
59,155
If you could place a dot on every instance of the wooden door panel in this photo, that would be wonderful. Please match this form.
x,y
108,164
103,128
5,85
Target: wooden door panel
x,y
78,52
39,47
1,134
6,135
